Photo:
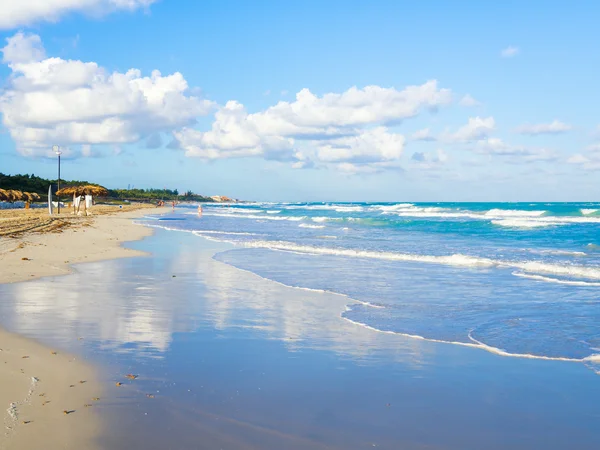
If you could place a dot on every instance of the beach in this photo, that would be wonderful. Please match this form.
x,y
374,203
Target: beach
x,y
34,246
40,383
229,351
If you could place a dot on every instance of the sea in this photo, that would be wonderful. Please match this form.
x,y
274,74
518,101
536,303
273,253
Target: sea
x,y
521,280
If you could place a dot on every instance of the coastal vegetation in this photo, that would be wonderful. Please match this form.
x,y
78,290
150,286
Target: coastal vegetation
x,y
38,185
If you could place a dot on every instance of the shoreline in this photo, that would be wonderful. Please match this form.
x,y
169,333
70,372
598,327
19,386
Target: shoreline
x,y
37,255
47,396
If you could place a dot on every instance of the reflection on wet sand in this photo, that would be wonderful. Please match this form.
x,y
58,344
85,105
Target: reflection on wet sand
x,y
136,305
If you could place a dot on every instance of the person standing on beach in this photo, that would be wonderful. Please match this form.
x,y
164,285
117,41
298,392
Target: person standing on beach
x,y
199,210
173,205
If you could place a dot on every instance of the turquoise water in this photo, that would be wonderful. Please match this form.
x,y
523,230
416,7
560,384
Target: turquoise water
x,y
516,279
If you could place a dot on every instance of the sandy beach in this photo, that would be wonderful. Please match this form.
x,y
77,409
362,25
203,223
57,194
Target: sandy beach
x,y
36,246
48,397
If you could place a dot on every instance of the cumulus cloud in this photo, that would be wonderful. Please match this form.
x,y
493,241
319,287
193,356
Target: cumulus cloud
x,y
428,161
476,128
509,52
345,130
23,48
233,135
588,161
515,154
371,146
554,127
54,101
469,102
17,13
423,135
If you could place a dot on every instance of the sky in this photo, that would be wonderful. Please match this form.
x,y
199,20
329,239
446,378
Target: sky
x,y
306,100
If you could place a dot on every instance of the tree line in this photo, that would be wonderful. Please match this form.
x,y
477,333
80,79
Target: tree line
x,y
39,185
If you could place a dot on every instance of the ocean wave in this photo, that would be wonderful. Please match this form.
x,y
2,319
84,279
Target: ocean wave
x,y
217,232
559,252
587,212
555,280
523,223
307,225
348,208
393,207
513,213
593,358
258,216
273,211
451,260
233,233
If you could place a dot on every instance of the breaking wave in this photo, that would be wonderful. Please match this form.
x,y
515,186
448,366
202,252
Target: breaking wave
x,y
586,272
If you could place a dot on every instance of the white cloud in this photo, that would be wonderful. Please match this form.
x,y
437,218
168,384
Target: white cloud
x,y
589,161
593,148
509,52
18,13
233,135
554,127
475,129
334,129
311,114
23,48
578,159
422,135
55,101
469,102
429,161
371,146
514,154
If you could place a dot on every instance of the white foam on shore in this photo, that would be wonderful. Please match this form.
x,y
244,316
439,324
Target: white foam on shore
x,y
451,260
320,291
475,344
594,358
217,232
307,225
395,207
348,208
513,213
555,280
523,223
560,252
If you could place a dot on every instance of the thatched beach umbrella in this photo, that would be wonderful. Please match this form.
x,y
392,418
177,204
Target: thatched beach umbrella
x,y
30,196
78,191
14,195
97,191
69,190
3,195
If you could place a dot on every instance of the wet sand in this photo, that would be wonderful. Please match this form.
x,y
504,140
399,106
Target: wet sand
x,y
43,394
227,359
47,396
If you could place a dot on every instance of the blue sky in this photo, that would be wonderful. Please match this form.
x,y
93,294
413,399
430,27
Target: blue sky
x,y
528,129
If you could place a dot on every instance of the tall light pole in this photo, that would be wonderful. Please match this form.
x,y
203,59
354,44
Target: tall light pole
x,y
56,150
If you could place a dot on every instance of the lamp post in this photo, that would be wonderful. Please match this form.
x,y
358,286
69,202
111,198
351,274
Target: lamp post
x,y
56,150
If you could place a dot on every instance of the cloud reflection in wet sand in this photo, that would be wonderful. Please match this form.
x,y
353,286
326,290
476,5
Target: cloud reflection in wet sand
x,y
135,305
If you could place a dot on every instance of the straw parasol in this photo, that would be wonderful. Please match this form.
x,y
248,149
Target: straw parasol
x,y
89,189
3,195
30,196
78,191
14,195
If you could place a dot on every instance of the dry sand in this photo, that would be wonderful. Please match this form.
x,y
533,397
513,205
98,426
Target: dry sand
x,y
38,384
25,255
